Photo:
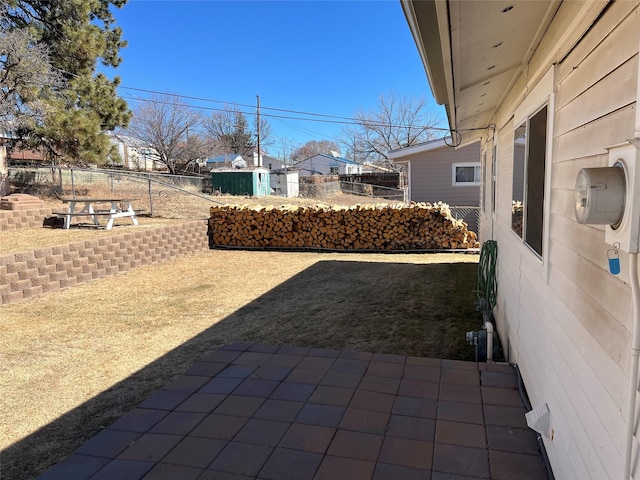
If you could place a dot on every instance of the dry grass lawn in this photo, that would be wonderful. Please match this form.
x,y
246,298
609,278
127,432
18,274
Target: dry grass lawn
x,y
73,361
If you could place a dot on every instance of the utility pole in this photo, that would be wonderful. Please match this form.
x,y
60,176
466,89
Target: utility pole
x,y
258,130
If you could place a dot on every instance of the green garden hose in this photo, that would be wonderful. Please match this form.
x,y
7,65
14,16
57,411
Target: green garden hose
x,y
487,282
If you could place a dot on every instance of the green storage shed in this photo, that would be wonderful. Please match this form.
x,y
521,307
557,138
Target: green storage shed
x,y
255,182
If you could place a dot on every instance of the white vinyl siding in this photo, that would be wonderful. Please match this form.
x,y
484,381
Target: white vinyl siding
x,y
565,320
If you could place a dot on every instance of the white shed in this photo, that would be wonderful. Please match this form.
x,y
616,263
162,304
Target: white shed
x,y
285,183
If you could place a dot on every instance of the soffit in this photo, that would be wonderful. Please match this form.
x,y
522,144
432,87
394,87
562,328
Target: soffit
x,y
481,49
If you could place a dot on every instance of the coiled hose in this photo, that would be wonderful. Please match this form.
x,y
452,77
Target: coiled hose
x,y
487,282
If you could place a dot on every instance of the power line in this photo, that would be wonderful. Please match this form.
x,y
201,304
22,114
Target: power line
x,y
344,121
202,99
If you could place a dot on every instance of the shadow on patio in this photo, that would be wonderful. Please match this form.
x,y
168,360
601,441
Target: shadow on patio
x,y
324,314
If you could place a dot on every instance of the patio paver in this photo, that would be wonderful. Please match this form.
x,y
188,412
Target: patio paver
x,y
277,412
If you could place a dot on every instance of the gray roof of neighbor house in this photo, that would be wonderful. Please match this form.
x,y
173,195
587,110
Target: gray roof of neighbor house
x,y
337,159
226,157
419,147
129,140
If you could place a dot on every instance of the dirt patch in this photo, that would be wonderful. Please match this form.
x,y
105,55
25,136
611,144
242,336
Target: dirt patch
x,y
75,360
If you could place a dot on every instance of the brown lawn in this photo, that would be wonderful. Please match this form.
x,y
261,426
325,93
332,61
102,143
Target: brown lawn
x,y
73,361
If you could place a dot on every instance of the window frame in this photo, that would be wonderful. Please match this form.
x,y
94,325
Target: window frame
x,y
532,191
477,173
541,96
483,187
494,177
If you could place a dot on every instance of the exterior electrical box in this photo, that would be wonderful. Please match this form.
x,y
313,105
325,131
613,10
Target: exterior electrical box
x,y
611,196
626,234
599,195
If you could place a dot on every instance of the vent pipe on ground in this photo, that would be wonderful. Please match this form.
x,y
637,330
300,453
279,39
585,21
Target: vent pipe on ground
x,y
482,340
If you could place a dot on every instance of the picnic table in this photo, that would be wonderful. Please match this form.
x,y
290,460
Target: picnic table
x,y
94,208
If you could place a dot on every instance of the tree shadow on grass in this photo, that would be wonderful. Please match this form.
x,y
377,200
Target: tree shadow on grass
x,y
401,308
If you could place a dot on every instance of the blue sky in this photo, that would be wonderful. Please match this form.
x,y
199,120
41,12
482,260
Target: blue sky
x,y
325,57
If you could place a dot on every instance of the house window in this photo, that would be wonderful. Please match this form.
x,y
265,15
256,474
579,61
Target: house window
x,y
483,202
333,170
466,174
529,160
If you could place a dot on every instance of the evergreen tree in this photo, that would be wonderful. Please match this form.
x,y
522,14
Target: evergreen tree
x,y
77,34
230,132
240,139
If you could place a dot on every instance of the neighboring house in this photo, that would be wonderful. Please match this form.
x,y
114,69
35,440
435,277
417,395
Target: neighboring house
x,y
19,155
549,88
229,160
236,160
437,172
273,164
323,164
134,153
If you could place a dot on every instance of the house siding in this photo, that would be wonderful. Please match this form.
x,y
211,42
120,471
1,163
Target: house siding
x,y
321,165
431,180
563,318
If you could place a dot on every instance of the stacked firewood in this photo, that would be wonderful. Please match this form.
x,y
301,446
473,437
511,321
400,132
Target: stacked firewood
x,y
420,226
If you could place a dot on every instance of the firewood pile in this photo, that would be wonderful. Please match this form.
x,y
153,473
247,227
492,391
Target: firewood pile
x,y
420,226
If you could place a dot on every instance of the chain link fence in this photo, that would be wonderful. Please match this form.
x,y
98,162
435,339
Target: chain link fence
x,y
469,215
154,192
149,189
313,187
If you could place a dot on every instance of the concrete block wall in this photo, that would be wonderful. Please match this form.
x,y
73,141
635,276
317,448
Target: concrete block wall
x,y
27,274
16,219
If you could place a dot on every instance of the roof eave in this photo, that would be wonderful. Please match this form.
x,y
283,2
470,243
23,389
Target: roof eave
x,y
429,24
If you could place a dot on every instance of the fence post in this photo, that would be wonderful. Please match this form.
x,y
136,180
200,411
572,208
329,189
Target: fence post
x,y
111,175
150,198
73,184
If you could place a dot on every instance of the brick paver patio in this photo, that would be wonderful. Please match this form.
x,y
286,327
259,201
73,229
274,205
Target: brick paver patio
x,y
268,412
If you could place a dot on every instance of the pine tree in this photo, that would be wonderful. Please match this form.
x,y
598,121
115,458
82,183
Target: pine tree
x,y
77,34
240,139
230,132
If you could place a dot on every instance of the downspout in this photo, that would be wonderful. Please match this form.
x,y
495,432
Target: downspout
x,y
633,373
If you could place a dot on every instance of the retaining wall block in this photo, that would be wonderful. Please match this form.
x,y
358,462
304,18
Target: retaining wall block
x,y
16,267
13,296
27,274
20,285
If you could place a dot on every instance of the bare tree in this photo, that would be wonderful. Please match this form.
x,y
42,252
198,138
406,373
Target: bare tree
x,y
164,122
314,147
195,148
396,122
26,77
285,150
26,80
231,133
